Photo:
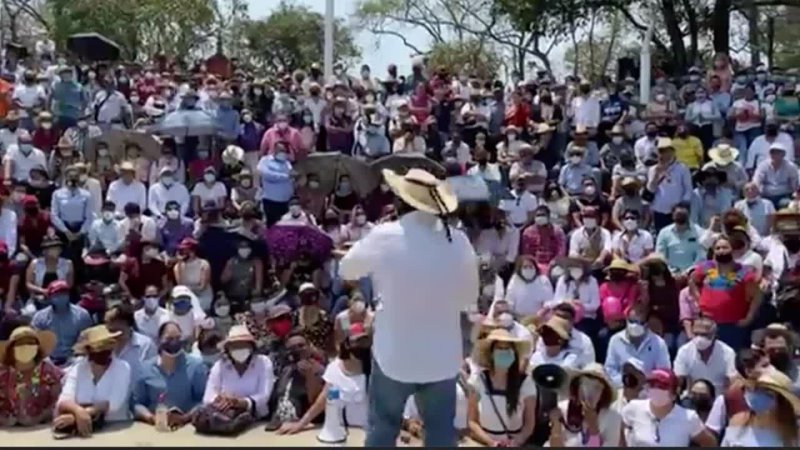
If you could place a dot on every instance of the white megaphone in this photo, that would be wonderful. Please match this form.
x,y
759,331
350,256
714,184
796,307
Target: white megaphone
x,y
333,430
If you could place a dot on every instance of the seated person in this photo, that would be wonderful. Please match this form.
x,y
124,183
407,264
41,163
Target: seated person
x,y
554,336
64,319
29,382
174,379
206,347
96,387
238,389
635,341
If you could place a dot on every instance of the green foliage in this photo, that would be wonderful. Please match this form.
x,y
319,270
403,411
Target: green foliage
x,y
292,37
477,58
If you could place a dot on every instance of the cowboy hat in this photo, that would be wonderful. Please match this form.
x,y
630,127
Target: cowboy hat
x,y
423,191
620,264
595,371
238,333
557,324
46,340
127,166
711,171
521,346
723,154
580,129
65,142
665,143
778,383
543,128
96,336
232,154
786,221
630,181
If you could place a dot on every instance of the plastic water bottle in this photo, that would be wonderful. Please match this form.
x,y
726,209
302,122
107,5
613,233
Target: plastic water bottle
x,y
162,414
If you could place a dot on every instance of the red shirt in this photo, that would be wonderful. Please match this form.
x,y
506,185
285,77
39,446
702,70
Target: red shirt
x,y
141,275
543,243
45,140
723,297
28,399
33,229
517,115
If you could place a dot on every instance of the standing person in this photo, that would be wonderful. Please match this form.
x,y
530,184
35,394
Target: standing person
x,y
407,259
277,185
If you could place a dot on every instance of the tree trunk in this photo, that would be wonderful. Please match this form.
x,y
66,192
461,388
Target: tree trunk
x,y
720,18
694,31
753,33
675,34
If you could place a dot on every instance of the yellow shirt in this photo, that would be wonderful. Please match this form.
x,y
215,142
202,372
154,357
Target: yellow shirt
x,y
689,151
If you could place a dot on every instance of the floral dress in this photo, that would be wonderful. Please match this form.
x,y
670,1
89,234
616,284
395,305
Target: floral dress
x,y
28,399
319,332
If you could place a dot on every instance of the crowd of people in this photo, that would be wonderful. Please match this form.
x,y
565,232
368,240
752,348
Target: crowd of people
x,y
219,276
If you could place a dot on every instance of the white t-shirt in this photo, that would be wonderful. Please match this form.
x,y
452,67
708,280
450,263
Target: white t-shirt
x,y
21,165
215,192
518,208
459,421
721,364
643,429
633,248
29,96
352,392
113,387
489,420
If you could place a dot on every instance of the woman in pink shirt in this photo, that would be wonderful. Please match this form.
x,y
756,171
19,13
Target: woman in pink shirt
x,y
617,296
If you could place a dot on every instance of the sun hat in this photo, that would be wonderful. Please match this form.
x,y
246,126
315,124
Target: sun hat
x,y
45,339
595,371
238,333
630,181
521,346
423,191
778,383
232,154
665,143
557,324
620,264
127,166
96,336
306,287
723,154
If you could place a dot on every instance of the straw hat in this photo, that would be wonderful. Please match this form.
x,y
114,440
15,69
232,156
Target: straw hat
x,y
238,333
65,142
723,154
630,181
521,346
127,166
543,128
559,325
232,154
46,340
778,383
665,143
96,336
621,264
595,370
423,191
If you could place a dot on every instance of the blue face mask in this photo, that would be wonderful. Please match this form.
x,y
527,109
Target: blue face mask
x,y
60,301
503,358
759,401
182,306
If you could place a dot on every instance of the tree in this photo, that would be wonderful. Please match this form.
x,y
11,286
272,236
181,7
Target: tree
x,y
292,37
472,55
606,39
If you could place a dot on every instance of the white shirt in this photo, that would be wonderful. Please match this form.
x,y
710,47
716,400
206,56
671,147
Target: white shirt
x,y
634,248
159,195
218,192
8,230
579,241
518,208
111,109
608,424
645,148
462,152
759,149
408,260
122,194
528,298
489,420
587,112
588,292
148,228
459,421
95,194
28,97
8,138
21,165
566,358
352,392
676,429
148,324
719,368
113,387
107,234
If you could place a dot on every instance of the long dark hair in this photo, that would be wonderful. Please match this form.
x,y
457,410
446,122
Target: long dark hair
x,y
513,382
365,358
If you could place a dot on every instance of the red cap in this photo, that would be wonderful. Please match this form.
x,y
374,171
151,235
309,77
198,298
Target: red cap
x,y
663,379
56,287
30,200
187,244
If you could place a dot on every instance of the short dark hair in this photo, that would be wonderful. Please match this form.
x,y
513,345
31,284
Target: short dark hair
x,y
124,312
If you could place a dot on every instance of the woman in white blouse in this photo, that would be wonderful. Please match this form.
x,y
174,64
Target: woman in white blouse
x,y
528,290
578,287
659,421
586,418
553,346
502,399
96,389
348,374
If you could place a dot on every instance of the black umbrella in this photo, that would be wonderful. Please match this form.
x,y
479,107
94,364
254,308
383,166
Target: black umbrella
x,y
93,47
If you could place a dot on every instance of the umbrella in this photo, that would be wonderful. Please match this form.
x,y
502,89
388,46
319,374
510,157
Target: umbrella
x,y
93,47
118,140
187,122
402,162
329,166
287,243
470,188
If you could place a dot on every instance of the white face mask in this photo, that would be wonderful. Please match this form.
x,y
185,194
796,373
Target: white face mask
x,y
83,124
512,137
576,273
151,252
575,160
528,273
702,342
617,140
209,178
167,181
590,190
541,220
295,210
245,252
257,92
247,118
488,290
505,320
108,216
590,223
630,224
258,307
150,303
240,355
384,188
280,156
47,125
634,329
361,219
358,307
173,214
222,310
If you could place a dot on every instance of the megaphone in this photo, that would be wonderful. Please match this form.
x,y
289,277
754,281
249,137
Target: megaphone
x,y
550,376
333,430
550,379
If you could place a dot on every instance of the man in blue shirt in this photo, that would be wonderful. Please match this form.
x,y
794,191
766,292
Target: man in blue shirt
x,y
69,99
277,183
62,318
611,111
679,243
71,213
636,341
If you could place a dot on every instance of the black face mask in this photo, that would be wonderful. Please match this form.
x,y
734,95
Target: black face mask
x,y
780,359
616,275
792,245
651,134
630,381
551,339
723,258
700,402
771,131
680,218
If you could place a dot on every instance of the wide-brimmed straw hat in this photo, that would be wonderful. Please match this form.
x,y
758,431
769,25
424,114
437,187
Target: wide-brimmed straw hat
x,y
778,383
595,371
233,154
723,154
423,191
96,336
238,333
559,325
45,339
521,346
621,264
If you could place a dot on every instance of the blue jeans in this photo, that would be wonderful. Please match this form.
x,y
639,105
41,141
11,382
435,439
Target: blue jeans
x,y
743,139
387,399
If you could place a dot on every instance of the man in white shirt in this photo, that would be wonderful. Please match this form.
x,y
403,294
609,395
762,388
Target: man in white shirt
x,y
135,222
29,95
106,230
127,189
21,158
586,108
110,106
151,315
646,147
520,207
9,134
165,190
407,260
772,137
705,357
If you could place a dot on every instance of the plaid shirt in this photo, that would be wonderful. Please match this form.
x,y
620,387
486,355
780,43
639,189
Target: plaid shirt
x,y
543,243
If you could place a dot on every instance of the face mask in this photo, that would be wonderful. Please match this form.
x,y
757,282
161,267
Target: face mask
x,y
361,219
60,301
576,273
528,273
102,152
770,98
25,353
82,124
240,355
358,307
172,347
702,342
101,358
590,223
759,401
167,181
211,359
659,397
575,160
590,190
222,310
282,126
108,216
173,214
25,149
258,307
630,224
209,178
723,258
244,252
503,358
617,140
295,210
541,220
281,327
150,303
280,156
344,186
46,126
634,329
